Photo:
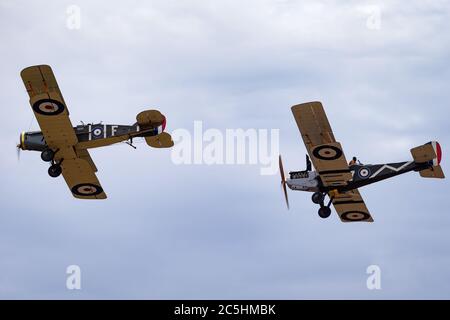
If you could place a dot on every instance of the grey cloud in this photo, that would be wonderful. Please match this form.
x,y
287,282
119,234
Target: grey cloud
x,y
170,231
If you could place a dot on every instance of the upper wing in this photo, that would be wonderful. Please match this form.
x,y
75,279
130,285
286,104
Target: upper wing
x,y
49,107
313,124
51,112
325,153
351,207
81,179
329,160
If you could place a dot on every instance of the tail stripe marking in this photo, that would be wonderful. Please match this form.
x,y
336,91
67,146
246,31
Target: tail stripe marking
x,y
391,168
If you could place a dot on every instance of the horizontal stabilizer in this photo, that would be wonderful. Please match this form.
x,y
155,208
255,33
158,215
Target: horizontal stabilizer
x,y
429,153
433,172
150,118
162,140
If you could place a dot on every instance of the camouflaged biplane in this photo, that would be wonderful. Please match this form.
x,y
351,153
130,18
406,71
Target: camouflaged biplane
x,y
338,180
66,147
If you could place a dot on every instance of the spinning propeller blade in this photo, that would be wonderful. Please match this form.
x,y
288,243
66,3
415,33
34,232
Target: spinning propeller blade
x,y
18,148
283,182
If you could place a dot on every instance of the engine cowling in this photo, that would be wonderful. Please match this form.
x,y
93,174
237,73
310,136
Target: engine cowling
x,y
32,141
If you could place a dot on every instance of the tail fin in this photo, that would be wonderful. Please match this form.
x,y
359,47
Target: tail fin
x,y
429,153
150,118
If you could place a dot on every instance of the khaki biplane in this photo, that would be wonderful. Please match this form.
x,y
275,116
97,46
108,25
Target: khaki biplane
x,y
339,180
65,146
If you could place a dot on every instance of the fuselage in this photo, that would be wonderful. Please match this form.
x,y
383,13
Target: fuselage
x,y
362,175
91,135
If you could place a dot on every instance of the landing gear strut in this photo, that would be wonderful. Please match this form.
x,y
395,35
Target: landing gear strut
x,y
319,198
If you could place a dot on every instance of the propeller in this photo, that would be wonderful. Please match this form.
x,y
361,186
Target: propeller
x,y
18,148
283,182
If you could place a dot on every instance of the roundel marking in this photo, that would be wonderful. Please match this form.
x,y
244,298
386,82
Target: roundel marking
x,y
87,189
48,107
364,173
355,216
97,132
327,152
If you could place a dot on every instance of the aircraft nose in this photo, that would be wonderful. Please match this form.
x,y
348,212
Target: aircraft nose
x,y
289,183
20,145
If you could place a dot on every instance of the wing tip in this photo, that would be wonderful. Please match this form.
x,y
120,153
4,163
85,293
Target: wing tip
x,y
38,66
302,105
101,196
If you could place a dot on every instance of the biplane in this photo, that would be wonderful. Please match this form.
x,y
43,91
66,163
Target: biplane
x,y
65,147
339,180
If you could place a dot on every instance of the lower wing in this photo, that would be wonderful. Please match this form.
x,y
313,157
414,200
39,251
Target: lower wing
x,y
350,206
81,179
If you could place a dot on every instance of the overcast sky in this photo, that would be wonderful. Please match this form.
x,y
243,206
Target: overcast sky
x,y
167,231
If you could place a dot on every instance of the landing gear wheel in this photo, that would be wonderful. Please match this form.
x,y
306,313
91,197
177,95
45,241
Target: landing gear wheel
x,y
55,170
317,198
47,155
324,212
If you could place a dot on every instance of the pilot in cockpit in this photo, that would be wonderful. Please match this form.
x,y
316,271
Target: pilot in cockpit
x,y
354,162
